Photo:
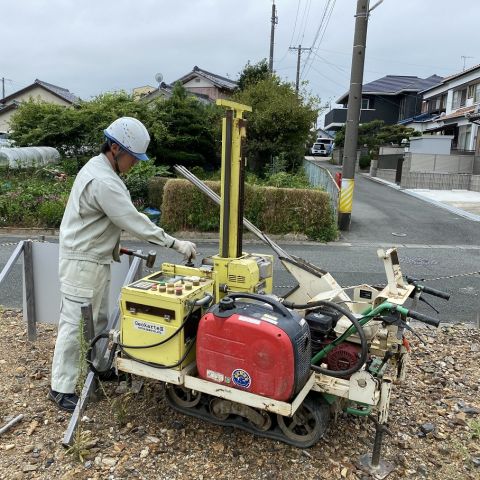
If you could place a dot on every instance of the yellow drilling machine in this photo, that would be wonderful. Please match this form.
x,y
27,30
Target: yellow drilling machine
x,y
231,352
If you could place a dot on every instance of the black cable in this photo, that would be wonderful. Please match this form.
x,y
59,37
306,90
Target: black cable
x,y
122,346
156,365
347,313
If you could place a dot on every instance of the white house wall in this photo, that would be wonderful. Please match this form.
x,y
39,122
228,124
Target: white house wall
x,y
198,82
40,94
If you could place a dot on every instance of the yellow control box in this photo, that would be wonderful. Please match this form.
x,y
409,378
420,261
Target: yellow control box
x,y
159,308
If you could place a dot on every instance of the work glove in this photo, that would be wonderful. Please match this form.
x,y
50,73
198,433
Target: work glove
x,y
186,248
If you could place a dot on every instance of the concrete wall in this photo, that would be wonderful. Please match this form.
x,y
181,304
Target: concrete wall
x,y
386,174
431,144
435,181
475,183
476,165
416,162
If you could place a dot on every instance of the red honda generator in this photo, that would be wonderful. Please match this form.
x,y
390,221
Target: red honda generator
x,y
257,346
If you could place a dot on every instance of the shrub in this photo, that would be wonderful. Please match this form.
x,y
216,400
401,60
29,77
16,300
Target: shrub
x,y
155,191
273,210
50,213
364,162
138,177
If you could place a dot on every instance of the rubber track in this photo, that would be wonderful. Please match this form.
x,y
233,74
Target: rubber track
x,y
201,411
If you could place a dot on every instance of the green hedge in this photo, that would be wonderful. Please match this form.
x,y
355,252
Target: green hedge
x,y
273,210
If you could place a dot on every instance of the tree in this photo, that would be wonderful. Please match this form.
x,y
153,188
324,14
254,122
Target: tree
x,y
280,122
376,133
184,130
73,131
252,74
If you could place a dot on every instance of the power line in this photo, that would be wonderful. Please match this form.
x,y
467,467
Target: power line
x,y
317,33
325,23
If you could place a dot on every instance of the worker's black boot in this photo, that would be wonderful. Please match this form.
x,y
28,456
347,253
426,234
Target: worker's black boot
x,y
65,401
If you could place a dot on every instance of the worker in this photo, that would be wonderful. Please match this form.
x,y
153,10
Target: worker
x,y
98,209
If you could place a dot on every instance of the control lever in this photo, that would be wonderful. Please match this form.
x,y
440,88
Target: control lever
x,y
149,259
189,262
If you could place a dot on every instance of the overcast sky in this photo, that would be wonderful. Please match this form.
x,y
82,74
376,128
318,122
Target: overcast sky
x,y
93,46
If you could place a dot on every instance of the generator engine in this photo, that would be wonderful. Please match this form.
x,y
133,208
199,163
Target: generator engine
x,y
260,347
322,323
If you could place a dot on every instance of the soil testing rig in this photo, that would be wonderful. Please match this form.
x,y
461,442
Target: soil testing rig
x,y
231,352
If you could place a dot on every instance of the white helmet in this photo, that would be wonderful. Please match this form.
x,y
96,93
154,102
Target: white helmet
x,y
129,134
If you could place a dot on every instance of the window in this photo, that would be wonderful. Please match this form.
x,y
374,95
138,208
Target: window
x,y
443,102
471,89
464,134
365,103
459,98
476,95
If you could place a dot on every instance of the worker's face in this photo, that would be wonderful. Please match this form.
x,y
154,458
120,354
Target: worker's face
x,y
125,160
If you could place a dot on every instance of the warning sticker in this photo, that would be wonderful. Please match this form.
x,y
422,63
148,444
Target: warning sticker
x,y
249,319
149,327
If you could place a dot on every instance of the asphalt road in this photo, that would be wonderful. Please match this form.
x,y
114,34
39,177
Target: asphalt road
x,y
432,243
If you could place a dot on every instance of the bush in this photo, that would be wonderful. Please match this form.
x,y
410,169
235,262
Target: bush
x,y
50,213
137,179
155,191
364,162
273,210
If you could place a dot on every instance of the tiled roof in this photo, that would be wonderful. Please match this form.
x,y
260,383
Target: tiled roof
x,y
217,80
461,112
396,84
61,92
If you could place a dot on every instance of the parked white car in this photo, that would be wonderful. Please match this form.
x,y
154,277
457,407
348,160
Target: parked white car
x,y
322,147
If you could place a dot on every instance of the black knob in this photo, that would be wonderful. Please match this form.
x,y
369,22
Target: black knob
x,y
226,303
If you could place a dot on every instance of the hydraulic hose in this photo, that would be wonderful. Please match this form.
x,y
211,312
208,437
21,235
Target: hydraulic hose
x,y
110,357
347,313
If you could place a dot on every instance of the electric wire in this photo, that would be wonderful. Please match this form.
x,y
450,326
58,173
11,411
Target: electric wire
x,y
316,47
317,33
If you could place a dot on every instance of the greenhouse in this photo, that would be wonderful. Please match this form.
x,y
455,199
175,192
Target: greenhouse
x,y
27,157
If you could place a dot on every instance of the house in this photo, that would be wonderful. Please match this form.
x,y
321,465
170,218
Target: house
x,y
38,90
392,99
164,90
450,107
140,92
207,83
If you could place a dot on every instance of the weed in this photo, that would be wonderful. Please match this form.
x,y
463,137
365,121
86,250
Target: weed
x,y
80,447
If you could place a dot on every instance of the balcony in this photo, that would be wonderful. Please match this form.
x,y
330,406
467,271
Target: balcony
x,y
337,117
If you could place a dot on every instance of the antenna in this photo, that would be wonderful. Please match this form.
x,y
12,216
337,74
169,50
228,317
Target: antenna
x,y
158,78
464,60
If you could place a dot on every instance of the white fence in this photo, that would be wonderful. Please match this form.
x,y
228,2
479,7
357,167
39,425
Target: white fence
x,y
321,177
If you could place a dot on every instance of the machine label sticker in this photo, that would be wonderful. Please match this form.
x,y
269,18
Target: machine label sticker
x,y
215,376
149,327
269,318
249,319
241,378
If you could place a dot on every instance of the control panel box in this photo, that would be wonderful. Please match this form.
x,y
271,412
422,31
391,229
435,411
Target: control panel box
x,y
158,316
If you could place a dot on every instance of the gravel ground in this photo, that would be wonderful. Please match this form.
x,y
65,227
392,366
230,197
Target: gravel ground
x,y
434,418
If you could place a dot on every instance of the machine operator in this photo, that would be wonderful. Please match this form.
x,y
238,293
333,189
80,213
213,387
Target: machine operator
x,y
98,209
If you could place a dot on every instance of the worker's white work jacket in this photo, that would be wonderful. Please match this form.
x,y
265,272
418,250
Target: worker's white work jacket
x,y
98,209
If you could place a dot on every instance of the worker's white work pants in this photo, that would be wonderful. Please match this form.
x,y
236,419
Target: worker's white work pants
x,y
81,281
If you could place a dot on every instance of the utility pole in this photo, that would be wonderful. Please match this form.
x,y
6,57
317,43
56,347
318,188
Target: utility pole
x,y
299,56
353,115
272,35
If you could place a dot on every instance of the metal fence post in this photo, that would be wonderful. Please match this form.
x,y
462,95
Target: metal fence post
x,y
29,290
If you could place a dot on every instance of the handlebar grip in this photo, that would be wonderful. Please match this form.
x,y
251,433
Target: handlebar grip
x,y
126,251
436,293
434,322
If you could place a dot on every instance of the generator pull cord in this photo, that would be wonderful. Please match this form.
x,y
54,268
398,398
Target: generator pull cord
x,y
347,313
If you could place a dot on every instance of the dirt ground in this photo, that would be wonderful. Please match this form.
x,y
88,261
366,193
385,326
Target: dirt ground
x,y
434,418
